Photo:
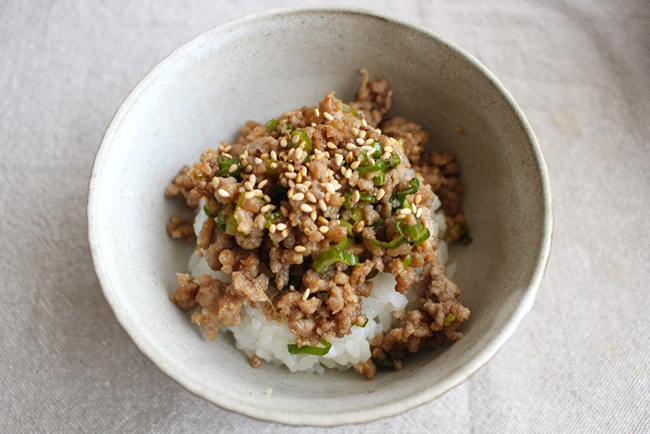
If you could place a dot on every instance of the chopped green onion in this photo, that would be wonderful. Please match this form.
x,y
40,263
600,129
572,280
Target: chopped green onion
x,y
220,221
272,125
304,137
347,109
394,161
225,164
415,234
390,244
348,226
326,260
398,198
356,214
208,211
379,180
383,363
308,349
367,197
271,218
378,149
449,319
380,166
363,323
408,260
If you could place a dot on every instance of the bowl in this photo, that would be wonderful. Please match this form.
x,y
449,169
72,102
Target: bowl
x,y
263,65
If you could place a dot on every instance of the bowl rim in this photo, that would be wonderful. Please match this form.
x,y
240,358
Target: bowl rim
x,y
290,417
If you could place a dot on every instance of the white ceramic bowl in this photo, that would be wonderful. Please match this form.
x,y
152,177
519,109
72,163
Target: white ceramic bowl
x,y
263,65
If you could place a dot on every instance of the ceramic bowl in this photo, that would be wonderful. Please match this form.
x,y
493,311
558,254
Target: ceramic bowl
x,y
262,65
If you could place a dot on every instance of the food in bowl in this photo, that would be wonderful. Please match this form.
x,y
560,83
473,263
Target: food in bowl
x,y
321,237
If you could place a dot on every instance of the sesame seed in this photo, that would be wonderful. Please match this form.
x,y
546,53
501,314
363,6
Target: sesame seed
x,y
307,291
290,168
369,142
310,197
400,216
360,141
313,215
269,391
306,208
258,192
244,155
414,209
303,171
317,112
355,165
331,145
355,196
388,148
405,211
385,155
263,183
223,193
284,211
232,168
363,122
323,229
299,178
358,226
350,147
267,208
348,173
267,198
418,199
272,228
290,175
349,157
258,160
298,154
362,134
322,205
249,169
248,185
215,182
298,196
380,193
295,139
419,213
338,159
300,249
281,226
274,156
354,131
313,124
366,148
285,233
328,116
322,220
249,195
283,142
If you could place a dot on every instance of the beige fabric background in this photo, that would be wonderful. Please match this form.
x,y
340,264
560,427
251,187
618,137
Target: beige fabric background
x,y
579,362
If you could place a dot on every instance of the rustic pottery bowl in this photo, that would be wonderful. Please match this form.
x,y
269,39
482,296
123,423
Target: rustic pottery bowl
x,y
263,65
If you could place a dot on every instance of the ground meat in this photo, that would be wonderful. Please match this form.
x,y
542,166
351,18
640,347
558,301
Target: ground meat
x,y
313,203
178,228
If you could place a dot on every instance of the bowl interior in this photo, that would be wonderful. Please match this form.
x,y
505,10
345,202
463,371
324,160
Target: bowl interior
x,y
259,67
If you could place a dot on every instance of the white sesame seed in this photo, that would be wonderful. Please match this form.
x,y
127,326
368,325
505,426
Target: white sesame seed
x,y
417,199
355,196
358,226
328,116
362,134
249,194
322,205
400,216
355,165
232,168
330,188
310,197
281,226
298,196
267,208
369,142
313,124
364,122
360,141
305,295
273,166
303,171
283,142
263,183
354,131
295,139
272,228
267,198
258,192
350,147
388,148
300,249
405,211
331,145
298,154
284,211
380,193
285,233
338,159
313,215
215,182
249,169
323,229
419,213
306,208
258,160
348,173
385,156
317,112
414,209
290,175
223,193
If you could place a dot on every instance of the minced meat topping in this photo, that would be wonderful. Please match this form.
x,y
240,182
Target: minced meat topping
x,y
304,210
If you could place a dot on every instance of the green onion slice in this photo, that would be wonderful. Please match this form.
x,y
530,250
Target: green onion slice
x,y
225,164
272,125
449,319
408,260
378,149
384,363
208,211
416,234
398,198
308,349
304,137
389,244
326,260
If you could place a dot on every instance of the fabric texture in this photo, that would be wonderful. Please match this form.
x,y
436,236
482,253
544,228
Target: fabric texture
x,y
579,362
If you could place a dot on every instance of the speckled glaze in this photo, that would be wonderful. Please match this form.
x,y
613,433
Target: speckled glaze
x,y
263,65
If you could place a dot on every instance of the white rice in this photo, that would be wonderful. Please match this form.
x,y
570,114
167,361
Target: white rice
x,y
269,340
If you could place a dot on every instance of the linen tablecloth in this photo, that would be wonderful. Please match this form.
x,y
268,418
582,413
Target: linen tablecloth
x,y
579,362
